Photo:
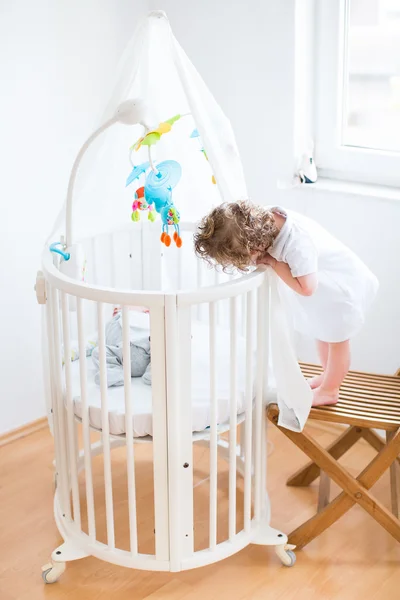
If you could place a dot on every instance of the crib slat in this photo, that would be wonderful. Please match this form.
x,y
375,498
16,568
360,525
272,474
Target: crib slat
x,y
199,283
217,281
70,411
233,418
50,358
160,440
85,422
180,447
53,383
243,317
248,412
180,269
94,261
129,432
59,409
112,260
184,405
213,428
131,263
259,401
105,427
266,350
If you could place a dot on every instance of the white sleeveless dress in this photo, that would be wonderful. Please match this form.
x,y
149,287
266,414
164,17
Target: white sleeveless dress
x,y
346,287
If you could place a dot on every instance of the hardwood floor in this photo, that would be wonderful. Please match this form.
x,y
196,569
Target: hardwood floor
x,y
354,559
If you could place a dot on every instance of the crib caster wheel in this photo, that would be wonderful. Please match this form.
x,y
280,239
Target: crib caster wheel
x,y
52,572
286,555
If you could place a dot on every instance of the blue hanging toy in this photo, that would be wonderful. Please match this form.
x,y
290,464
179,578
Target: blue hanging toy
x,y
159,183
157,193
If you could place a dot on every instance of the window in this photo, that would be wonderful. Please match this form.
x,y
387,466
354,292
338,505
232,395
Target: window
x,y
358,90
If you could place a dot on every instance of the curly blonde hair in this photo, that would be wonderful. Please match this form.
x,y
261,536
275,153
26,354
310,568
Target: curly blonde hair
x,y
232,232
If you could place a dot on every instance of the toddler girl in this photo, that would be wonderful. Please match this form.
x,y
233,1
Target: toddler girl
x,y
330,287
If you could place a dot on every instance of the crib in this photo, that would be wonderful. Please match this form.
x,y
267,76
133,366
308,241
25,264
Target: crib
x,y
171,476
232,315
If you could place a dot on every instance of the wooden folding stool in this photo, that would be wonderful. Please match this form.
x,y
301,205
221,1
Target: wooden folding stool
x,y
366,402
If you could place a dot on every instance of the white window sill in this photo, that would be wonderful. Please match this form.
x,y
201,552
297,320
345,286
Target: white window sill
x,y
337,186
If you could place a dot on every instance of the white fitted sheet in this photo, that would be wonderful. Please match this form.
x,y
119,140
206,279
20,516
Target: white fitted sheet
x,y
141,394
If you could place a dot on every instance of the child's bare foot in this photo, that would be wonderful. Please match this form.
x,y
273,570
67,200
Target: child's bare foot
x,y
325,397
315,382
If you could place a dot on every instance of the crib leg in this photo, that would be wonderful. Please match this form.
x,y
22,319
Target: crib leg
x,y
286,555
51,572
268,536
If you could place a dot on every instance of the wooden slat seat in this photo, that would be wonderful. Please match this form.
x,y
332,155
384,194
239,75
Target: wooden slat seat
x,y
364,398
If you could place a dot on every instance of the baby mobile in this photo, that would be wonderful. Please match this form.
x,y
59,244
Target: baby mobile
x,y
160,180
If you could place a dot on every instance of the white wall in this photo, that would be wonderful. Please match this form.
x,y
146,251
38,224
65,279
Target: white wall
x,y
56,61
247,56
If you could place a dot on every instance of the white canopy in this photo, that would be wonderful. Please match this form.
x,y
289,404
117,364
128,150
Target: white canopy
x,y
155,69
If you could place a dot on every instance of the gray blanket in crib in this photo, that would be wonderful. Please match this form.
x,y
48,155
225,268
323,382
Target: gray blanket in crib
x,y
140,353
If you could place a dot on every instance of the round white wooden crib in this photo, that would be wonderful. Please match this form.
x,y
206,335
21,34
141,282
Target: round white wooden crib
x,y
203,465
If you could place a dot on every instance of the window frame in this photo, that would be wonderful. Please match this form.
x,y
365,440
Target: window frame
x,y
333,159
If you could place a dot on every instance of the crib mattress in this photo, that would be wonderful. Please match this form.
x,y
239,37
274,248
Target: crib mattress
x,y
141,394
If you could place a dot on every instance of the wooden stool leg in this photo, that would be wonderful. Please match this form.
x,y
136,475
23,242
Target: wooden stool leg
x,y
355,490
341,504
375,441
394,479
323,491
310,472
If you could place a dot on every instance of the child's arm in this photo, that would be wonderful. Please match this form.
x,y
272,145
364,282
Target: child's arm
x,y
305,285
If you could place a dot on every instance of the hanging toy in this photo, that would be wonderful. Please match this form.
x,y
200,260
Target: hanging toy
x,y
195,134
159,183
140,204
170,217
158,191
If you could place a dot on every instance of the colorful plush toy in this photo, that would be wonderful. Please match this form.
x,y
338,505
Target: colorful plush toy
x,y
140,204
157,194
158,190
170,217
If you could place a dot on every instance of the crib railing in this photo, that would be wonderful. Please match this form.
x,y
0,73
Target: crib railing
x,y
133,259
254,289
243,304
